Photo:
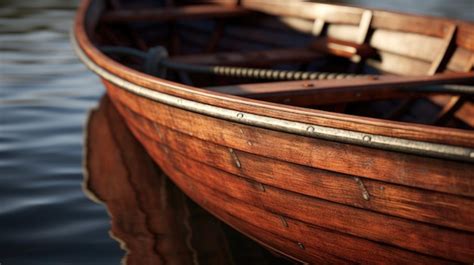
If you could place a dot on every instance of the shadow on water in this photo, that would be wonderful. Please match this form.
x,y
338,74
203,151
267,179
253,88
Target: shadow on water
x,y
45,218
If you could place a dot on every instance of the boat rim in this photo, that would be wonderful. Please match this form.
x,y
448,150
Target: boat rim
x,y
371,140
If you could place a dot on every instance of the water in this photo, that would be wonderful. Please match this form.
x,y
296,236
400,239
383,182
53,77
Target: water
x,y
45,94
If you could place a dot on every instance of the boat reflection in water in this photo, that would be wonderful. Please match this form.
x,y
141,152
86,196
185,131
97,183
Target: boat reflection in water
x,y
151,218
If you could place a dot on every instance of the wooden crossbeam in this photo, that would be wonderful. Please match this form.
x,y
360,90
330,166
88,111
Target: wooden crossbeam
x,y
342,48
316,92
454,104
436,66
462,109
171,14
252,58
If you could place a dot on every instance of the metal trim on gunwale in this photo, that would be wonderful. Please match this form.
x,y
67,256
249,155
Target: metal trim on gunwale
x,y
300,128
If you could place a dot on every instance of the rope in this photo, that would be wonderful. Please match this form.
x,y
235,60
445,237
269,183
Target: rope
x,y
255,73
156,63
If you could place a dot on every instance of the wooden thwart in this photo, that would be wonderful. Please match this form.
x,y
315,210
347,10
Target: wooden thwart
x,y
336,91
342,48
170,14
253,58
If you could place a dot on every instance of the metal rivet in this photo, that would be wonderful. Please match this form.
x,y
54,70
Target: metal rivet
x,y
166,149
234,156
240,115
300,245
310,129
283,221
471,154
367,138
365,193
156,126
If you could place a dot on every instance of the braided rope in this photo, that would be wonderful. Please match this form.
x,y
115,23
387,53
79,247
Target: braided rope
x,y
156,63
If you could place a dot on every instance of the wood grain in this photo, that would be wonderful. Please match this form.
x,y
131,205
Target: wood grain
x,y
168,14
384,228
344,158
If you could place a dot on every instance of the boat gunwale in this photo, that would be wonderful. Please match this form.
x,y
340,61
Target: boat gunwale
x,y
198,100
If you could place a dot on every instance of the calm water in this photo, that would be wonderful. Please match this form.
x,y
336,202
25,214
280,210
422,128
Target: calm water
x,y
45,94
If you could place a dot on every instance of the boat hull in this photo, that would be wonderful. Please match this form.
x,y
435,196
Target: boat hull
x,y
312,200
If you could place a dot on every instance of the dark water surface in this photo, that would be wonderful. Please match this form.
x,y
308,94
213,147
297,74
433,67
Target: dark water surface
x,y
45,94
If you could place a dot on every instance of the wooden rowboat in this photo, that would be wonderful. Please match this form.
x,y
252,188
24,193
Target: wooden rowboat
x,y
329,134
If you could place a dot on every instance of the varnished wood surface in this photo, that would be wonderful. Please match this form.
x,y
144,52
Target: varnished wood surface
x,y
286,226
306,93
151,218
329,215
167,14
254,58
307,193
352,15
372,163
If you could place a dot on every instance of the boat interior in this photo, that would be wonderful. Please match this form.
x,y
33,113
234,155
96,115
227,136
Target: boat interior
x,y
333,58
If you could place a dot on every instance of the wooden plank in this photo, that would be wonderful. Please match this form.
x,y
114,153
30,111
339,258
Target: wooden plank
x,y
438,63
438,242
343,32
454,104
249,33
428,234
342,48
305,253
294,231
411,45
445,176
318,27
444,53
432,26
172,14
461,61
419,205
464,113
305,93
364,26
199,41
392,63
329,13
309,95
252,58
